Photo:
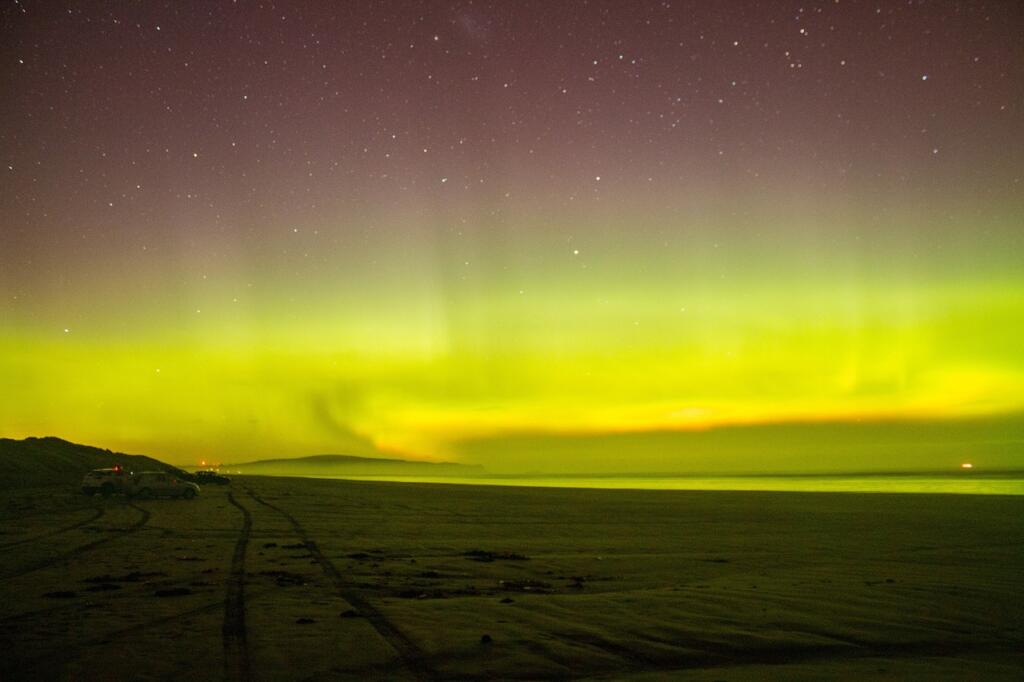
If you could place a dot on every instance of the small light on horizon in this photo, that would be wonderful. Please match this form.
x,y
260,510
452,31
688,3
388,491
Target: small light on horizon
x,y
966,465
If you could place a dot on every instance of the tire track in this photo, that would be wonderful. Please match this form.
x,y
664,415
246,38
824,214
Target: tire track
x,y
162,620
112,534
97,513
233,633
410,654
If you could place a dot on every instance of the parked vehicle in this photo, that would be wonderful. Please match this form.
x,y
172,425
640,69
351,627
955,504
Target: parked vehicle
x,y
150,484
211,476
107,482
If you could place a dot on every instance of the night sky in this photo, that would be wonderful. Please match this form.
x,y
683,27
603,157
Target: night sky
x,y
232,229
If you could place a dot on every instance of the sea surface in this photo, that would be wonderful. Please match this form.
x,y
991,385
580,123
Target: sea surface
x,y
964,484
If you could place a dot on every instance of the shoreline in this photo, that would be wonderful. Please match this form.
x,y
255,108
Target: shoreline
x,y
900,484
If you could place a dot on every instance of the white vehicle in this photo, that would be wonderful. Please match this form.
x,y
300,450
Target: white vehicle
x,y
106,482
149,484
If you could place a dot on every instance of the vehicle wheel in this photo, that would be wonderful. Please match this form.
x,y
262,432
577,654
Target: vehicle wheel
x,y
106,490
188,494
146,494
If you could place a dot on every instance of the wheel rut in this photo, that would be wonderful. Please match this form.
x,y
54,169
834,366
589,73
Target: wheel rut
x,y
233,633
97,513
411,655
64,557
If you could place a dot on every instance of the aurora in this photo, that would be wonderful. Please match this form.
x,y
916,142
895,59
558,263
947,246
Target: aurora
x,y
417,240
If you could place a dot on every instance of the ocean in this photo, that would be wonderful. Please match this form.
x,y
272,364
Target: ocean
x,y
971,483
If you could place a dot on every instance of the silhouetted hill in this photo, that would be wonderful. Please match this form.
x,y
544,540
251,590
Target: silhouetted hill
x,y
339,465
37,462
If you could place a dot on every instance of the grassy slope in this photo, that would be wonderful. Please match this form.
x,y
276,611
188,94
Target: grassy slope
x,y
36,462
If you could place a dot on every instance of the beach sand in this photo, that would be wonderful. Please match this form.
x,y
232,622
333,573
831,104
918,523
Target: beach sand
x,y
305,579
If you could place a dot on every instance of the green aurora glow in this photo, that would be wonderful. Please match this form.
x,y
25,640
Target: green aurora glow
x,y
500,247
724,327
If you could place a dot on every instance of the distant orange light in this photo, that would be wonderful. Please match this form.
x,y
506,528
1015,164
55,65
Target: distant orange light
x,y
966,465
202,462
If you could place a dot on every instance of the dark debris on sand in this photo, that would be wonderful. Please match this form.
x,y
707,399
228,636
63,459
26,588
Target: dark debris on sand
x,y
421,594
61,594
103,587
525,585
284,578
133,577
487,556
